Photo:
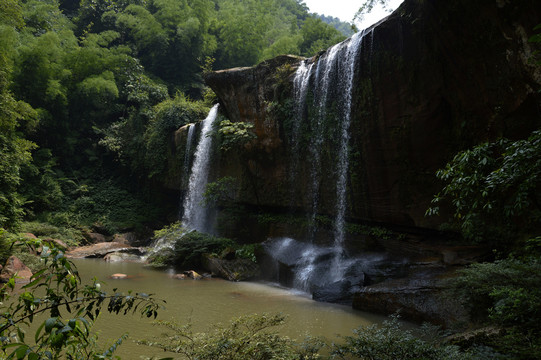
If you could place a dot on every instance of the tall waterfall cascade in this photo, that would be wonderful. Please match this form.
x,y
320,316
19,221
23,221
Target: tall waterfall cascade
x,y
195,212
332,76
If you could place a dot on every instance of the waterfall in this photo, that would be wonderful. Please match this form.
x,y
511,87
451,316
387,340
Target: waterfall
x,y
300,90
195,211
322,84
329,83
189,141
343,154
347,84
186,166
335,71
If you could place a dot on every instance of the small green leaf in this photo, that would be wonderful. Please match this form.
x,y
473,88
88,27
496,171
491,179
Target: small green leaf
x,y
21,351
50,324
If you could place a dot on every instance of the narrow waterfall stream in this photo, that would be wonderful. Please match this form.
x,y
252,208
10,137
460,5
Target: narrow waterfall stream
x,y
195,212
189,144
186,166
346,75
321,89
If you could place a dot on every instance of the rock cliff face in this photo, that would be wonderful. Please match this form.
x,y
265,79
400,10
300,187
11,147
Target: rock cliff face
x,y
433,78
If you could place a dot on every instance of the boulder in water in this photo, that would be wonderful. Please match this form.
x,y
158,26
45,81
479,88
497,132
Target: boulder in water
x,y
118,256
418,298
193,275
119,276
101,249
340,291
14,266
233,270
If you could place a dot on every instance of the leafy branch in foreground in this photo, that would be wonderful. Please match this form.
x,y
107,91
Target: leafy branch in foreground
x,y
71,307
368,6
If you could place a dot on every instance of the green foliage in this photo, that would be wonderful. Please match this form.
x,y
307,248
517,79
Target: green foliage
x,y
72,307
221,192
493,189
108,205
248,251
318,36
169,116
100,90
248,337
252,31
187,248
42,186
5,245
235,135
254,337
368,6
15,150
190,248
390,342
11,13
506,293
346,29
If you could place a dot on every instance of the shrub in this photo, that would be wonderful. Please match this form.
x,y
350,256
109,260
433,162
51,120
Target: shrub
x,y
5,246
506,293
248,337
169,115
235,135
221,192
186,249
391,342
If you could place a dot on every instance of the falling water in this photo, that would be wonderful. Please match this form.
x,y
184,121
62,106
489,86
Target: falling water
x,y
332,78
189,141
347,83
195,211
186,166
300,90
322,82
343,155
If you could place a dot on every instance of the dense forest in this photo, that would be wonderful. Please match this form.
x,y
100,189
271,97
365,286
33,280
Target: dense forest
x,y
90,89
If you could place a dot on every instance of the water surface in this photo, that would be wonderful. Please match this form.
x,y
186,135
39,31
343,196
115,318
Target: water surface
x,y
212,301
